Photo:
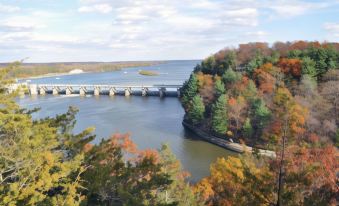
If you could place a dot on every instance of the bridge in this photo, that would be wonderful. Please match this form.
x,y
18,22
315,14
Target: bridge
x,y
160,90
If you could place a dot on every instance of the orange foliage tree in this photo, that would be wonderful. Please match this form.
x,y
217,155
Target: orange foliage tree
x,y
290,67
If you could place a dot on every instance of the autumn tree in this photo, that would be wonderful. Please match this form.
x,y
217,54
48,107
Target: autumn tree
x,y
119,173
179,192
40,160
236,112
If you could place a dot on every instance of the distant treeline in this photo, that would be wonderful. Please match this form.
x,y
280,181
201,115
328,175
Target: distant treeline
x,y
37,69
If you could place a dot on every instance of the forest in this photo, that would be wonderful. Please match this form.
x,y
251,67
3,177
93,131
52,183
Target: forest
x,y
250,93
283,97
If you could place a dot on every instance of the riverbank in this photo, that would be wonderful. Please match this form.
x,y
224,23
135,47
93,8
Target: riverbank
x,y
235,147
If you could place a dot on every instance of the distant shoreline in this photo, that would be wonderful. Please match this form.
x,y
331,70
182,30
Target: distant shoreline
x,y
52,75
94,68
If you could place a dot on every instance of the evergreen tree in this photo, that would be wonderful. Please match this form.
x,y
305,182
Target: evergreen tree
x,y
219,87
308,67
190,89
247,128
228,62
254,63
230,77
261,113
208,65
196,112
219,115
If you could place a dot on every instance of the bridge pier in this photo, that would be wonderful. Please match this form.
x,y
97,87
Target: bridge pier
x,y
144,91
96,91
128,91
55,90
42,90
33,89
82,91
69,90
162,92
112,91
178,92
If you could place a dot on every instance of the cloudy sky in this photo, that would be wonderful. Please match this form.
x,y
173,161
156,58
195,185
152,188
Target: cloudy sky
x,y
118,30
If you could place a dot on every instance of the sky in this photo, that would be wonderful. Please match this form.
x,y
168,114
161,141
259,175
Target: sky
x,y
129,30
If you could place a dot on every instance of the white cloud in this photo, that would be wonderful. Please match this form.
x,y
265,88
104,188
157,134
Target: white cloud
x,y
8,8
101,8
332,29
292,8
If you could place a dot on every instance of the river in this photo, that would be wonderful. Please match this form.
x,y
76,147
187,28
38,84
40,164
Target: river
x,y
150,121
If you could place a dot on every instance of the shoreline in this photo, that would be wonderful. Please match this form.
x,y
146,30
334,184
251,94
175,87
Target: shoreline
x,y
87,71
234,147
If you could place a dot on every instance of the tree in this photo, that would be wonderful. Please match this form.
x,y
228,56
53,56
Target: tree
x,y
230,77
236,112
238,181
247,128
219,87
308,67
40,162
179,191
228,62
119,173
190,89
261,116
208,65
254,63
219,115
196,112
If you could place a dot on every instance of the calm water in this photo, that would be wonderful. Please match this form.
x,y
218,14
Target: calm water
x,y
151,121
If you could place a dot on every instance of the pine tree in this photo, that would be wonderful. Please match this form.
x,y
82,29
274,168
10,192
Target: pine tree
x,y
196,112
219,115
308,67
247,128
219,87
190,89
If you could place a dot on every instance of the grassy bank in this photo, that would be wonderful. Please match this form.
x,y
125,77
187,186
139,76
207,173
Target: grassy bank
x,y
41,69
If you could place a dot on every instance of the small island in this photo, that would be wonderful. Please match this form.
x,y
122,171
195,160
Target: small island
x,y
148,73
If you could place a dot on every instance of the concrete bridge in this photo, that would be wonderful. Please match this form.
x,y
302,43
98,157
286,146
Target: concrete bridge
x,y
161,90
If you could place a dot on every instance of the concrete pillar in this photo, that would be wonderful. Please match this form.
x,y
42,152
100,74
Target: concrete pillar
x,y
82,91
96,91
69,90
21,91
112,91
128,91
42,90
178,92
55,90
33,89
162,91
144,91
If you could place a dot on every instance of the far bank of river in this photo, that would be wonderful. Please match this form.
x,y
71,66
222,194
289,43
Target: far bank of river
x,y
151,121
